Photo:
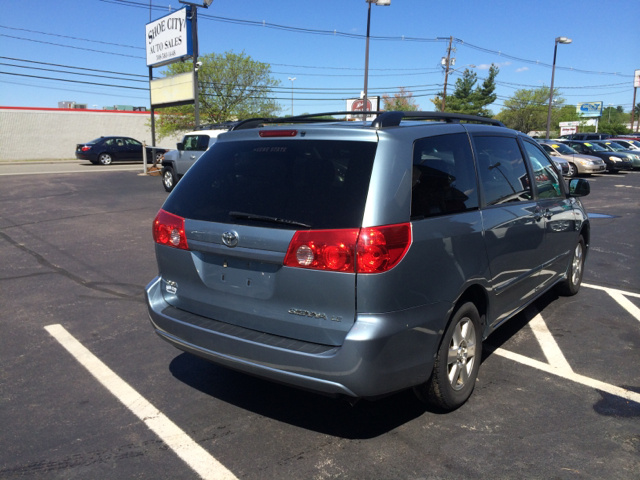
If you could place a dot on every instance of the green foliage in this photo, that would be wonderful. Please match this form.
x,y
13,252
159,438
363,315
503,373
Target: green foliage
x,y
467,99
400,102
526,110
232,86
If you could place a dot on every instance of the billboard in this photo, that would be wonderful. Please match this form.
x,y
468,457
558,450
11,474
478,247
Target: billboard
x,y
356,104
589,109
168,39
172,91
636,78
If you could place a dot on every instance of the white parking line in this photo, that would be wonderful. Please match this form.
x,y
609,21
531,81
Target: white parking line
x,y
549,346
574,377
620,297
184,446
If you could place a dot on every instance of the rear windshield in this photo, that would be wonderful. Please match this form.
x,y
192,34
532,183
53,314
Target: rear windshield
x,y
95,141
319,183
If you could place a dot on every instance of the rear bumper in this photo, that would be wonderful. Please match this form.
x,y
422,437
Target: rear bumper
x,y
382,353
86,156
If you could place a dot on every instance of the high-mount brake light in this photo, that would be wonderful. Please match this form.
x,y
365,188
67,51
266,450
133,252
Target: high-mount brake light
x,y
85,148
168,229
277,133
365,250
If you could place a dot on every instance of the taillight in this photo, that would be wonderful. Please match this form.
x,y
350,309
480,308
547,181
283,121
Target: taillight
x,y
278,133
323,250
85,148
168,229
366,250
380,249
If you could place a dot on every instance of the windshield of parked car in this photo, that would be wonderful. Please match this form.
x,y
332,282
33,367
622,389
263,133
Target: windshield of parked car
x,y
595,147
616,147
563,149
634,142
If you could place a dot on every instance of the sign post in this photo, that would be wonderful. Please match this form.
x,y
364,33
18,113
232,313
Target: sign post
x,y
636,84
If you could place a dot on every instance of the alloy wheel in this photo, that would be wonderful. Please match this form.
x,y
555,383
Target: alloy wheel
x,y
462,353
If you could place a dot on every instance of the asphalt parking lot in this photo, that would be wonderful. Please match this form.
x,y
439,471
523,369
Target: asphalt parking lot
x,y
87,390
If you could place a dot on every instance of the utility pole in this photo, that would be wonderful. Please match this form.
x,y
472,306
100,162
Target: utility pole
x,y
194,34
633,109
446,74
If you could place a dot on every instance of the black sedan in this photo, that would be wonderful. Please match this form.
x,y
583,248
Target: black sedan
x,y
615,161
105,150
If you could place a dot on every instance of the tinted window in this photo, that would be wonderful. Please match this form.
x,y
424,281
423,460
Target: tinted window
x,y
203,142
503,174
323,184
444,178
546,177
110,142
133,143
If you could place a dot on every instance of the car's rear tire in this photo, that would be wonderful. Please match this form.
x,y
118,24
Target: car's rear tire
x,y
457,362
168,178
105,159
571,285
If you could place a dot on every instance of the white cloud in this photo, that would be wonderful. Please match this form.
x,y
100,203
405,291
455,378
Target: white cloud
x,y
523,69
487,66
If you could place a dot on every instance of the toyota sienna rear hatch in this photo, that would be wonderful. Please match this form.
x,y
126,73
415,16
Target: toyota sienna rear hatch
x,y
258,232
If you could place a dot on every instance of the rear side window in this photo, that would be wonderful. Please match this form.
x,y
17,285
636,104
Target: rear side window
x,y
444,177
502,171
203,142
319,183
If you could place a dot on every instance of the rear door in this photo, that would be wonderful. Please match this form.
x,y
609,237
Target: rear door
x,y
134,149
243,201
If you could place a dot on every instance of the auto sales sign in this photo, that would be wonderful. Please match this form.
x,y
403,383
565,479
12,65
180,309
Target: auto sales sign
x,y
168,39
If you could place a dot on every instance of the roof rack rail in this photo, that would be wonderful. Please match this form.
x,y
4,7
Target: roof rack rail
x,y
383,119
393,119
309,118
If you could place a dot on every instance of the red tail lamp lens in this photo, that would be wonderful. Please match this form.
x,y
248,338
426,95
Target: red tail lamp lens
x,y
377,249
380,249
168,229
323,250
278,133
85,148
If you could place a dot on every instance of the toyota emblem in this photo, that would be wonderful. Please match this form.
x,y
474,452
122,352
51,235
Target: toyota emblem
x,y
230,239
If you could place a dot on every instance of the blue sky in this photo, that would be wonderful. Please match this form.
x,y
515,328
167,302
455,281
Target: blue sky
x,y
606,38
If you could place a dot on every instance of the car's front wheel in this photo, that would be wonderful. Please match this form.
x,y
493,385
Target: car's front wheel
x,y
571,285
573,170
168,178
457,362
105,159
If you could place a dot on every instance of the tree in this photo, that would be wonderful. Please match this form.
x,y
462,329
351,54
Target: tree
x,y
465,99
401,102
526,110
232,86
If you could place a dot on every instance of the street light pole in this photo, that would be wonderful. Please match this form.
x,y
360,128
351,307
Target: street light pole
x,y
194,41
384,3
292,79
563,40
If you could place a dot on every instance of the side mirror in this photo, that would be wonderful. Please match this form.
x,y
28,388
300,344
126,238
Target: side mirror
x,y
579,187
180,145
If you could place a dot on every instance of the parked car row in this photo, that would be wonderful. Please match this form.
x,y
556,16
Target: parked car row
x,y
594,156
106,150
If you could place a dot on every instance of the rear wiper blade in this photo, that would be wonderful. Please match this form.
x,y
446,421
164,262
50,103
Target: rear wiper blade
x,y
264,218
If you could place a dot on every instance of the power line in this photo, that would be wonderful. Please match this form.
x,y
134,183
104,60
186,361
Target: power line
x,y
72,81
72,38
72,73
119,95
403,38
70,46
69,66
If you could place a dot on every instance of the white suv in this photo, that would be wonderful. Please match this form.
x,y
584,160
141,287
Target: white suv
x,y
176,162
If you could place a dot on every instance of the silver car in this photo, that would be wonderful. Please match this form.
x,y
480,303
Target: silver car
x,y
358,259
578,163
